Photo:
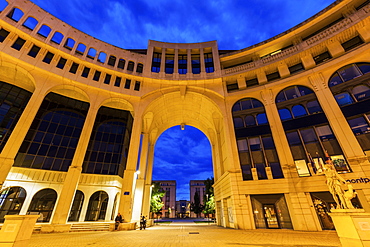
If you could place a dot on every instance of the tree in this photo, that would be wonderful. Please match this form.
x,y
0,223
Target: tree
x,y
209,198
195,206
156,203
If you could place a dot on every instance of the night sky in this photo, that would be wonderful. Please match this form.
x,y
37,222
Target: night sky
x,y
235,24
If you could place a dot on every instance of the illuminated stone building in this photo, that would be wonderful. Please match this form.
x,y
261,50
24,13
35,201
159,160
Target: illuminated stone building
x,y
197,186
169,199
74,111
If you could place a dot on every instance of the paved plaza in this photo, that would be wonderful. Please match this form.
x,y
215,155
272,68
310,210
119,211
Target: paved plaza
x,y
188,234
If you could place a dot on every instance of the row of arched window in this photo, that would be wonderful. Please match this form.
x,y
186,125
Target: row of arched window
x,y
69,43
306,127
43,203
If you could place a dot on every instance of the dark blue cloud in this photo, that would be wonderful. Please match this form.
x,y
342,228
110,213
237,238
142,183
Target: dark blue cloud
x,y
235,24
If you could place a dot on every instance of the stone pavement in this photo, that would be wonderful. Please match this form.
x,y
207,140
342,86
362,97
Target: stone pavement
x,y
188,234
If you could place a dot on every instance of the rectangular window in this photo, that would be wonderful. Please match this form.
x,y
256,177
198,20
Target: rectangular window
x,y
252,82
48,57
352,43
208,60
112,60
18,44
85,72
107,78
128,84
156,62
296,68
195,63
232,87
183,64
121,63
273,76
3,34
117,83
34,51
139,68
74,68
96,75
137,86
61,63
169,65
322,57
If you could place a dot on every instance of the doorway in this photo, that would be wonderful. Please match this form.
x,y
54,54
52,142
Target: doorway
x,y
271,218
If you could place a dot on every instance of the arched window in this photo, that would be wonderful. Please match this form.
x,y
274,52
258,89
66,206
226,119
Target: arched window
x,y
78,201
69,43
15,14
91,53
57,37
250,120
81,48
13,100
112,60
44,31
255,143
97,208
238,122
285,114
43,204
130,66
102,56
3,5
302,131
30,23
121,63
51,141
299,111
11,201
107,142
139,68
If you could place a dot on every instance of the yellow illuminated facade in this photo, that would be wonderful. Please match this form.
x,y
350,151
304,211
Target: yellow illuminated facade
x,y
74,112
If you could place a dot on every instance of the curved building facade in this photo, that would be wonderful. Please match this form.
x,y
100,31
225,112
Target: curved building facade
x,y
76,111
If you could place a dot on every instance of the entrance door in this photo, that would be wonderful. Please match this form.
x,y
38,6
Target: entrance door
x,y
270,216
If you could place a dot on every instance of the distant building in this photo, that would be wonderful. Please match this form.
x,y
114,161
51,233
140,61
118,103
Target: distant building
x,y
182,209
169,199
197,186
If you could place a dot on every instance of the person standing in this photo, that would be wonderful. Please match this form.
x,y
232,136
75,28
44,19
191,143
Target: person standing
x,y
118,220
142,222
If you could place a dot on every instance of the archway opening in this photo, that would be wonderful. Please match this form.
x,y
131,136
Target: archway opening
x,y
182,163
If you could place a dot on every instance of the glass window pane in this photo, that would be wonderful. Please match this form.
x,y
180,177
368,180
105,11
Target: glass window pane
x,y
292,93
280,97
285,114
335,80
343,99
250,121
293,138
238,122
299,111
255,144
308,135
262,119
268,143
349,73
304,90
364,67
325,133
313,107
359,125
242,145
236,106
256,103
361,92
246,104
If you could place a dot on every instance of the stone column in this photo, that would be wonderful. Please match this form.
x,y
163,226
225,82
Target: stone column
x,y
148,182
189,71
338,122
17,230
70,183
129,178
202,62
140,182
162,70
278,134
16,138
176,63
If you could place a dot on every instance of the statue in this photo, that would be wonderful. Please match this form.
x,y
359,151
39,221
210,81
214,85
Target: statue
x,y
334,182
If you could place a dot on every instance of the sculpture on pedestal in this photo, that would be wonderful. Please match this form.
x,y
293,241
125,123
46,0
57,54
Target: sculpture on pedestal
x,y
335,182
